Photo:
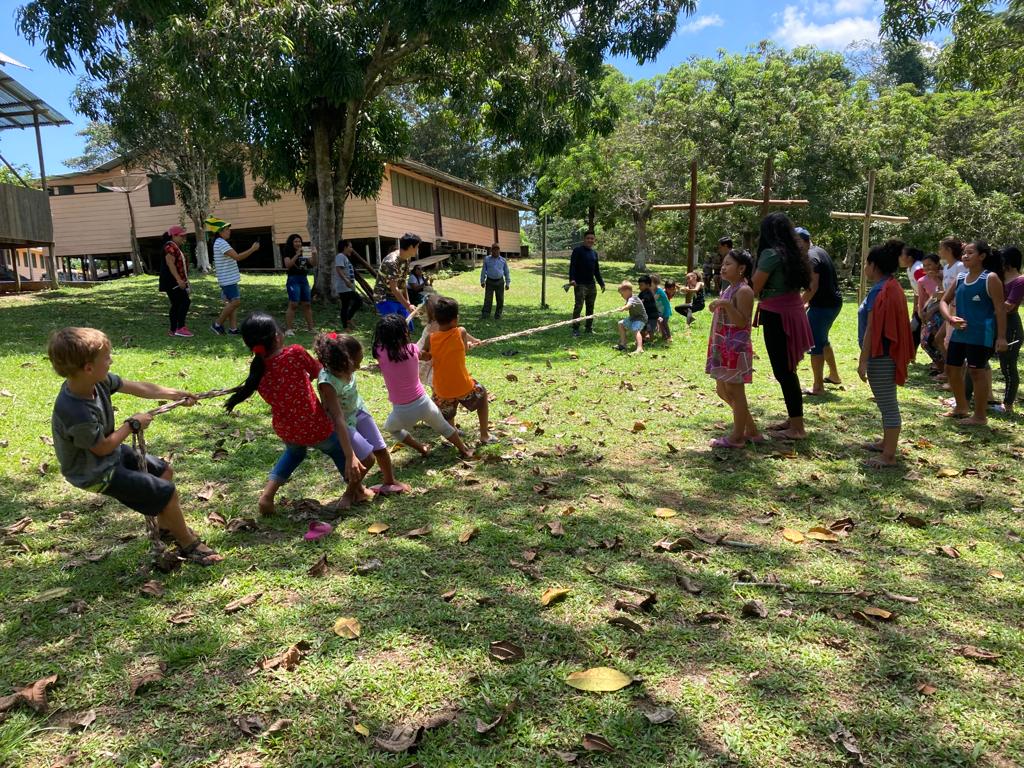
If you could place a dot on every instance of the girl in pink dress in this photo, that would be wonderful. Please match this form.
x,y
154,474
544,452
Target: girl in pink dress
x,y
730,352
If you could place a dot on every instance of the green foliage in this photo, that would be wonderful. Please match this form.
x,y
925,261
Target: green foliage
x,y
24,171
101,145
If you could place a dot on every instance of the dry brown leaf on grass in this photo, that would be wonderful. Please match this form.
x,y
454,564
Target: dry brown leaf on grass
x,y
598,680
348,628
506,651
377,528
654,714
926,689
664,512
688,585
913,521
555,527
754,609
593,742
529,555
239,524
369,566
978,654
181,617
449,595
49,594
792,535
416,533
821,534
712,617
33,696
482,727
217,519
467,534
995,573
626,623
553,595
236,605
948,551
880,614
638,426
209,490
842,737
842,525
146,677
287,660
152,588
402,738
319,568
18,526
668,544
947,472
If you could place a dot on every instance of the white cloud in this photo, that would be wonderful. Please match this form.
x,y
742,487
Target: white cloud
x,y
843,7
701,22
796,29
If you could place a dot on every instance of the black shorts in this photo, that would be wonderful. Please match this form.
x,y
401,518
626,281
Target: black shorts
x,y
975,355
145,492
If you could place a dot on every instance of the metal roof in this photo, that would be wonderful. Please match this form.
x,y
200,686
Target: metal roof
x,y
18,106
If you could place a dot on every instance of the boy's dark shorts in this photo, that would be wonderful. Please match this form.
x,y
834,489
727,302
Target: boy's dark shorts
x,y
471,402
145,492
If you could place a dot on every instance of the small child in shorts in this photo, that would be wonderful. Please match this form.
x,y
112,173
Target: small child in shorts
x,y
636,322
661,298
92,452
646,284
453,386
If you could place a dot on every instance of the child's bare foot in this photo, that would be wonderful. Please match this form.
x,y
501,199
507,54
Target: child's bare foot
x,y
973,421
955,414
637,351
363,495
789,434
486,439
880,462
265,506
833,379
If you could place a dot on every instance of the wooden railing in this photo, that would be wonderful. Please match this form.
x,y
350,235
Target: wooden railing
x,y
24,216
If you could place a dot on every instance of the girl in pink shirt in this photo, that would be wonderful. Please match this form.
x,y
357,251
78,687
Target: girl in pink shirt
x,y
399,361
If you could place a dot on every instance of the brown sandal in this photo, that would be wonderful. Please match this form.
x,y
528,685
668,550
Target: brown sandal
x,y
200,553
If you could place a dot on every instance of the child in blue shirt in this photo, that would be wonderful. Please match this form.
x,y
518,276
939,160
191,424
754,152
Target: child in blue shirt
x,y
664,306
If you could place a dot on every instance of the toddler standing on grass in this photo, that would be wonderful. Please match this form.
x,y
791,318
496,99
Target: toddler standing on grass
x,y
635,323
646,284
661,298
453,386
730,351
341,355
92,453
282,375
399,361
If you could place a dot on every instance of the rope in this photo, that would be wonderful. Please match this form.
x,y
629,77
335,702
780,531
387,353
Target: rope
x,y
201,396
530,331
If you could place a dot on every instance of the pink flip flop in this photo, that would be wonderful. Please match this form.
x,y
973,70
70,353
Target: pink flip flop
x,y
317,530
724,442
390,489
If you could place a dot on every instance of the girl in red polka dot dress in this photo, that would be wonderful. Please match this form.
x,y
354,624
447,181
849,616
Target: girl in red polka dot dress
x,y
282,376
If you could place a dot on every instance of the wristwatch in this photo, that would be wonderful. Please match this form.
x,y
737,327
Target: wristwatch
x,y
135,424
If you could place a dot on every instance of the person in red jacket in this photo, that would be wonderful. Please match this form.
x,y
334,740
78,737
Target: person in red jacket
x,y
886,346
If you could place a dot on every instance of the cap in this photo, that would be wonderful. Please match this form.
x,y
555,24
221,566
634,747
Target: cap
x,y
176,230
803,233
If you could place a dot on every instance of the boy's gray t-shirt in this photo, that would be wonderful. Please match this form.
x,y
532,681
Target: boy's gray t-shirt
x,y
78,423
636,309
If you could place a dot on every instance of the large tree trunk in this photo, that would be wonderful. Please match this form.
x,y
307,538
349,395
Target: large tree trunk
x,y
136,260
640,222
326,234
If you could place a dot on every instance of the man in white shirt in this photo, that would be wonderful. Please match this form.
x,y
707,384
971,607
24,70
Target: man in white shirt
x,y
344,284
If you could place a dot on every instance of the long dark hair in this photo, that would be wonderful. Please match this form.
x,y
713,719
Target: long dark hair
x,y
259,332
338,351
1011,257
991,260
777,233
886,257
292,247
391,334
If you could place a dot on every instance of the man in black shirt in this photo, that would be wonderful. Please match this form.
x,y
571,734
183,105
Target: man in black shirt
x,y
823,301
584,277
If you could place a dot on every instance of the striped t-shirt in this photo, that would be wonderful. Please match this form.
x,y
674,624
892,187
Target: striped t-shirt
x,y
227,268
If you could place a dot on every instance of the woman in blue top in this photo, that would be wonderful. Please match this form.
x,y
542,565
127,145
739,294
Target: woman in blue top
x,y
979,330
297,263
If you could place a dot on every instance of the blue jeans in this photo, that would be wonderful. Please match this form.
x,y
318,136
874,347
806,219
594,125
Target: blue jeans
x,y
295,454
821,320
298,289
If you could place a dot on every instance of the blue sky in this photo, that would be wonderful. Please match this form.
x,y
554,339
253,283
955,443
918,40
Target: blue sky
x,y
730,25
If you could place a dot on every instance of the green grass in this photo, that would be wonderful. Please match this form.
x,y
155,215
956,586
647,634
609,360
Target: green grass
x,y
746,693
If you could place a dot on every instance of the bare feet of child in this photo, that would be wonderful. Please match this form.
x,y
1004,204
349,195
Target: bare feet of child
x,y
880,462
973,421
266,506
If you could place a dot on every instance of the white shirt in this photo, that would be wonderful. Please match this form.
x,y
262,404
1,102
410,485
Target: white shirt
x,y
914,273
951,273
227,268
340,286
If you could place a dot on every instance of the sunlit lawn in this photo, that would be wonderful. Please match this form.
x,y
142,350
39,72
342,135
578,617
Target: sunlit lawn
x,y
589,437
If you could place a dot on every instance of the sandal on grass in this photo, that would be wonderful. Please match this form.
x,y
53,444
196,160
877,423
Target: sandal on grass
x,y
389,489
725,442
200,553
830,380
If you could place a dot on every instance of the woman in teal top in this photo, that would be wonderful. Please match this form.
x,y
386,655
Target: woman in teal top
x,y
979,330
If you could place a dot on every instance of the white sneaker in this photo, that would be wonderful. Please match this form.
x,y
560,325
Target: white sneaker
x,y
289,332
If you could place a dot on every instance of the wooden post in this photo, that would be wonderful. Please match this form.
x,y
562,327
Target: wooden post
x,y
543,261
691,242
865,236
52,267
766,186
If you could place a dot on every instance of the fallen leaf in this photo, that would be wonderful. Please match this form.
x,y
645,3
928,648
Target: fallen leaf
x,y
638,426
688,584
506,651
402,738
672,448
181,617
792,535
879,613
995,573
553,595
82,721
217,519
821,534
144,678
567,757
511,377
361,729
449,595
674,545
555,527
378,528
319,568
842,525
711,617
152,588
33,696
754,609
219,455
236,605
369,566
592,742
979,654
529,555
348,628
16,527
598,679
416,533
209,490
947,472
278,725
654,714
664,512
848,741
468,534
626,623
287,660
482,727
250,725
238,524
926,689
913,521
948,551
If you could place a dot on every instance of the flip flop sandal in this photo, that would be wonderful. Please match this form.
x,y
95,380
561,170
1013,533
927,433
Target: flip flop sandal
x,y
199,552
317,530
724,442
832,381
390,489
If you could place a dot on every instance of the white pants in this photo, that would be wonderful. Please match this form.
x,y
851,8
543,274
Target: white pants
x,y
405,417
